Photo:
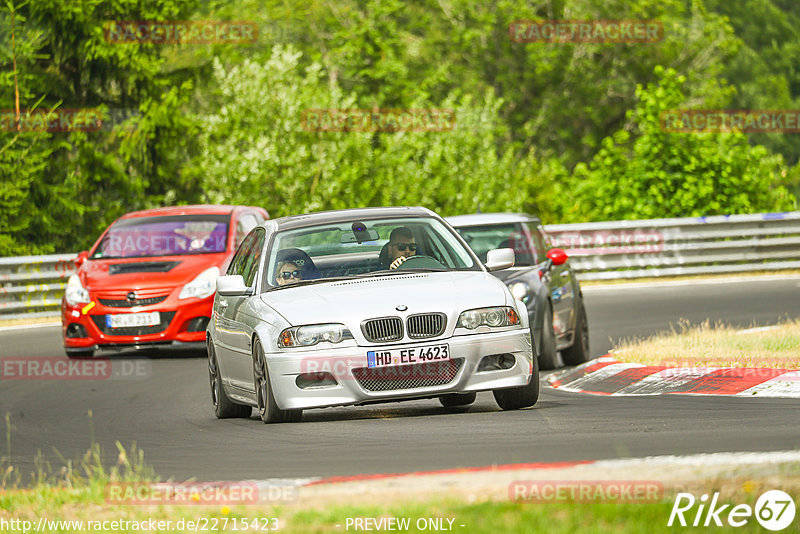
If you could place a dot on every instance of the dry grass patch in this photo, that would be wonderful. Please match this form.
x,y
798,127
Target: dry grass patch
x,y
774,347
26,321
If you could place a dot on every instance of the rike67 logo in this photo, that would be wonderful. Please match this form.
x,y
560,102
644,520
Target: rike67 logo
x,y
774,510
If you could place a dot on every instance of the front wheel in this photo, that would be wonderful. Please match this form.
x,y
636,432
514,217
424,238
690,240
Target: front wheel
x,y
267,407
520,397
548,354
579,351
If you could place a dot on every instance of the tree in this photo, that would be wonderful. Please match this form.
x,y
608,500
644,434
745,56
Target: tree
x,y
649,172
258,148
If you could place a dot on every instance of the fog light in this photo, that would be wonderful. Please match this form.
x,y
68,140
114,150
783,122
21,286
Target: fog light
x,y
198,324
496,362
315,380
75,330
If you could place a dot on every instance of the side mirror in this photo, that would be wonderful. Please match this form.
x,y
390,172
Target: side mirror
x,y
232,286
500,258
82,256
557,256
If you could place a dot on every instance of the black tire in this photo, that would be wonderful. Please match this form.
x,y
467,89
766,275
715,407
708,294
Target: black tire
x,y
224,408
80,354
519,397
267,407
579,351
457,399
548,356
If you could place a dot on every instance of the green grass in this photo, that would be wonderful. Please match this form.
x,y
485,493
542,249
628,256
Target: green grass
x,y
489,517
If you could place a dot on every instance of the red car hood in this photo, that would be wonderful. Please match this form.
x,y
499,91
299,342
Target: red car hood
x,y
144,273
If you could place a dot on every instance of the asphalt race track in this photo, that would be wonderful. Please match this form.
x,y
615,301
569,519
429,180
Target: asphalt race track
x,y
167,412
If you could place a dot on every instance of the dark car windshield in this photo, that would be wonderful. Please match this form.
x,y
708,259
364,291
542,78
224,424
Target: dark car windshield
x,y
482,239
364,248
172,235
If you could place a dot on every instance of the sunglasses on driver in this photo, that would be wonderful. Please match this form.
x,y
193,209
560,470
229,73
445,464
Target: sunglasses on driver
x,y
402,247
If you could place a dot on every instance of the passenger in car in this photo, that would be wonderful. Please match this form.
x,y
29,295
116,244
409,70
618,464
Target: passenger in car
x,y
288,273
400,247
296,264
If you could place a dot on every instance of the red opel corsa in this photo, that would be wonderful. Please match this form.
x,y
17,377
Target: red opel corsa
x,y
150,278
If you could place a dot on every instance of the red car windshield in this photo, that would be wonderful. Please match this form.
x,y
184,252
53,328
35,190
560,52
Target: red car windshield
x,y
172,235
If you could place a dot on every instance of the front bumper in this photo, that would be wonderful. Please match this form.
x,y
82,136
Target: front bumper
x,y
183,322
352,388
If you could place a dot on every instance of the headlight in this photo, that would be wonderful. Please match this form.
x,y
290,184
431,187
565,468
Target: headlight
x,y
306,336
202,286
520,291
75,293
494,317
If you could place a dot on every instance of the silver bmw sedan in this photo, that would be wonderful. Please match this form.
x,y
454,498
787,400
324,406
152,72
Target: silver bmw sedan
x,y
360,306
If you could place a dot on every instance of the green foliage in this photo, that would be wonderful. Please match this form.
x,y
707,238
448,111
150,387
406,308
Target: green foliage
x,y
659,174
256,149
69,185
567,131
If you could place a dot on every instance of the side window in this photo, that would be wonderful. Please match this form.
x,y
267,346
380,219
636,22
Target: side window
x,y
520,241
241,255
539,241
246,222
253,258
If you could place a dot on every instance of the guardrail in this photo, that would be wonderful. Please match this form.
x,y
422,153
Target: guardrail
x,y
33,285
672,247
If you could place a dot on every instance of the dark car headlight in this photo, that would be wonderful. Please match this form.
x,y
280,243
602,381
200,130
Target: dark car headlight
x,y
520,291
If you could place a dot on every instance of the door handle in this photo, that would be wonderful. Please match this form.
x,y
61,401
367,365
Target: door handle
x,y
223,304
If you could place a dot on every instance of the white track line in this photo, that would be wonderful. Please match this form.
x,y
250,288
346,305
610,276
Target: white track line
x,y
26,326
673,283
715,458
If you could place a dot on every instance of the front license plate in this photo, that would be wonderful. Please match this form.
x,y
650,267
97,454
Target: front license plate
x,y
388,358
125,320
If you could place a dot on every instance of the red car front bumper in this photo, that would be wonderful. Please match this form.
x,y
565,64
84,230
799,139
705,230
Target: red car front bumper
x,y
84,327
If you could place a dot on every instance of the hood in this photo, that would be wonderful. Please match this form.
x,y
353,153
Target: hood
x,y
352,301
145,273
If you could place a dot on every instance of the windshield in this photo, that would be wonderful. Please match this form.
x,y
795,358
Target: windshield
x,y
365,248
482,239
174,235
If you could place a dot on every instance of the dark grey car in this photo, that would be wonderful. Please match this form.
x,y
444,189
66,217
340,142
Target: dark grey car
x,y
541,278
